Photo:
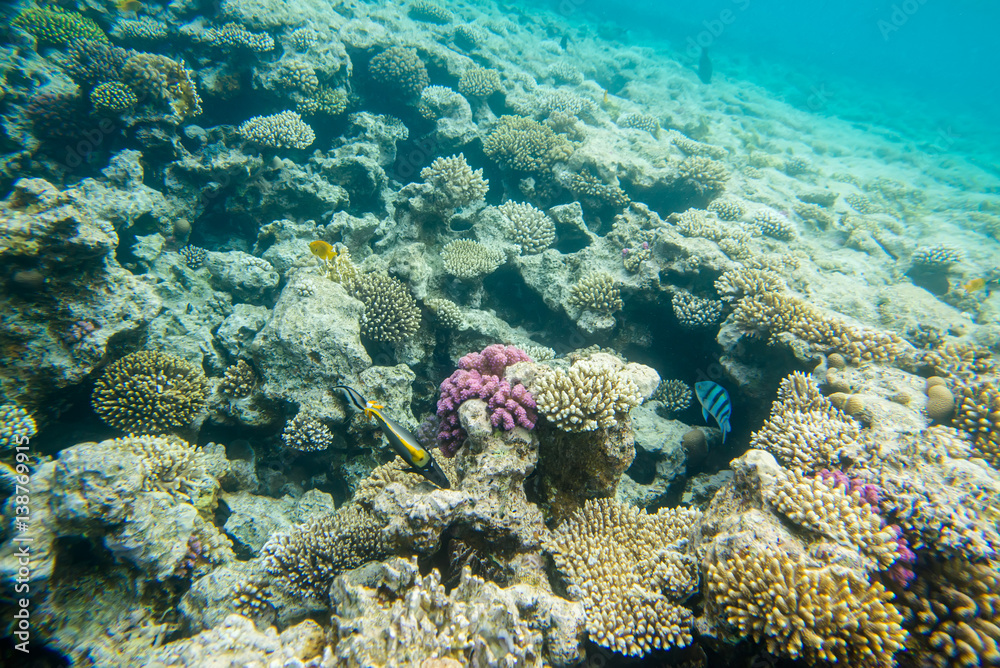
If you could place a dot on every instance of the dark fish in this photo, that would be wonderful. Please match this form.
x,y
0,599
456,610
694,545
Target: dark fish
x,y
564,42
402,441
714,401
705,67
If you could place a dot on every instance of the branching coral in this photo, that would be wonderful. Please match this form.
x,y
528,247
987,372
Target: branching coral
x,y
400,68
469,259
159,79
480,376
306,433
391,314
528,227
308,559
675,395
627,568
822,614
524,145
447,312
594,393
479,82
149,392
979,415
53,26
776,313
694,312
238,380
284,130
16,426
597,292
706,176
454,182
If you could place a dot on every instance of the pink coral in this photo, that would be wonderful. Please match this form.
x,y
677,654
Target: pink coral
x,y
480,377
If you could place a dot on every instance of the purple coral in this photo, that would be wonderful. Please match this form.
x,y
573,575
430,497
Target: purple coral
x,y
901,570
480,376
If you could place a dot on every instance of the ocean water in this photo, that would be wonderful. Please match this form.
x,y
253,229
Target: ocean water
x,y
924,68
466,333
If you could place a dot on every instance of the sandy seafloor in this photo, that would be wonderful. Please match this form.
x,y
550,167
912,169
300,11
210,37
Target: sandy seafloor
x,y
193,491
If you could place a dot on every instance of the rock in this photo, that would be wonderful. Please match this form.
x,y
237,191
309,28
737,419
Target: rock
x,y
238,330
248,278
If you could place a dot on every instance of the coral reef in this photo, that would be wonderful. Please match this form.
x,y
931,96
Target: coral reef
x,y
284,130
468,259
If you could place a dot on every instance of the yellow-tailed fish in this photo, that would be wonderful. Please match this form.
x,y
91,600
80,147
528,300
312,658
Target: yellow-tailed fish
x,y
975,285
322,250
128,5
402,441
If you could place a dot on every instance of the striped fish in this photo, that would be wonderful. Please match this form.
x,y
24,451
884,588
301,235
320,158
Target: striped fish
x,y
714,401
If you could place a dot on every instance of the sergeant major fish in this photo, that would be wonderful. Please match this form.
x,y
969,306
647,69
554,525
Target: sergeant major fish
x,y
402,441
714,401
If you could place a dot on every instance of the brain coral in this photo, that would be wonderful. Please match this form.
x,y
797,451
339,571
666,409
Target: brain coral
x,y
284,130
627,568
149,392
400,69
525,145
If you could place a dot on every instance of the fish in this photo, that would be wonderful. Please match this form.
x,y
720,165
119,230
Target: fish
x,y
322,250
128,5
714,401
977,284
402,441
705,67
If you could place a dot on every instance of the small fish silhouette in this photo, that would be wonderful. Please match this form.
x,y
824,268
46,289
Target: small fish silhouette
x,y
714,401
705,67
128,5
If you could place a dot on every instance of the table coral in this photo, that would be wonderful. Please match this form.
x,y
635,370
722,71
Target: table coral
x,y
469,259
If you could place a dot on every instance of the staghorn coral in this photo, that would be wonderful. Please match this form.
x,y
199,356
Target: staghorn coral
x,y
594,393
306,433
469,259
523,145
149,392
53,26
597,292
307,560
694,312
805,431
819,613
479,82
958,360
238,381
627,568
455,184
391,314
284,130
952,614
528,227
399,68
447,312
159,79
16,426
979,416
